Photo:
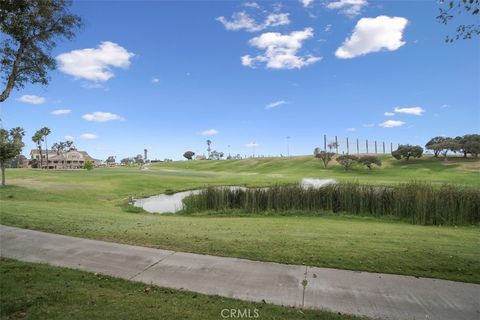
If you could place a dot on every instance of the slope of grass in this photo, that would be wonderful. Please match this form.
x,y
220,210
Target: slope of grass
x,y
36,291
92,204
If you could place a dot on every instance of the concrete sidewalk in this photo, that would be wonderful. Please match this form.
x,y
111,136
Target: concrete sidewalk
x,y
372,294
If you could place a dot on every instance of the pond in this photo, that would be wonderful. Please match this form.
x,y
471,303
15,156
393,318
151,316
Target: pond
x,y
164,203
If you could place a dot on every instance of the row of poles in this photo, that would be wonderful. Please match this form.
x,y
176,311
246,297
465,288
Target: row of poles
x,y
376,146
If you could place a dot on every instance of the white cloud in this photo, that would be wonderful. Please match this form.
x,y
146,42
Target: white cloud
x,y
209,132
88,136
391,124
281,50
328,27
389,114
275,104
443,106
68,138
350,8
351,129
369,125
59,112
416,111
241,20
155,80
95,63
306,3
373,35
251,5
102,117
27,98
252,145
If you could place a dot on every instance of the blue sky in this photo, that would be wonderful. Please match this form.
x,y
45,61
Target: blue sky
x,y
158,74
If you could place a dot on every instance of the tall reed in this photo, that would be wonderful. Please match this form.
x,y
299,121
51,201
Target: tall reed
x,y
419,203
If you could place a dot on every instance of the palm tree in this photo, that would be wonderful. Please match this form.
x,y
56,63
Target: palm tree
x,y
45,132
209,143
38,138
17,134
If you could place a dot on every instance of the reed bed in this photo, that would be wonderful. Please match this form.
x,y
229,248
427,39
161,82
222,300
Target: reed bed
x,y
419,203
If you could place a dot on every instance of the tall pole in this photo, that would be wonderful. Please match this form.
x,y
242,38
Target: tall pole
x,y
366,144
347,147
375,146
324,142
358,147
336,144
383,142
391,147
229,151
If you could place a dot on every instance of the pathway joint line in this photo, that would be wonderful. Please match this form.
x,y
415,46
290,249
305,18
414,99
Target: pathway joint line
x,y
153,264
304,285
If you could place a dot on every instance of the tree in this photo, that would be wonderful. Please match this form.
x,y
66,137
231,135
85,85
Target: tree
x,y
38,139
139,160
448,144
347,160
433,144
31,29
110,160
407,151
88,165
216,155
326,157
368,161
333,145
469,143
126,161
45,132
209,143
11,145
189,155
469,9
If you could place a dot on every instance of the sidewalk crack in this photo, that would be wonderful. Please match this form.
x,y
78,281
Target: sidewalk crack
x,y
304,284
151,265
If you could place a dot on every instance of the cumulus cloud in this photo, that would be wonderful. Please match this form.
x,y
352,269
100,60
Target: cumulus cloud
x,y
95,64
241,20
209,132
68,138
350,8
252,145
373,35
27,98
328,27
59,112
416,111
102,117
389,114
275,104
281,50
155,80
391,124
306,3
88,136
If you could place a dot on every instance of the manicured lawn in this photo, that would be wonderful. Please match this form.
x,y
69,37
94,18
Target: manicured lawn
x,y
92,205
36,291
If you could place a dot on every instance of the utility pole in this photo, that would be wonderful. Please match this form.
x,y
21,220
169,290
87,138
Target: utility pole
x,y
358,147
347,147
383,147
366,144
391,147
336,144
325,142
375,146
229,151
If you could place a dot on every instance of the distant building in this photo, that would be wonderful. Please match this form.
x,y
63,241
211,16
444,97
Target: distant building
x,y
73,159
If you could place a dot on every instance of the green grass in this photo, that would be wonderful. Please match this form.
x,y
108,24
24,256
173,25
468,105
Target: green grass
x,y
92,204
36,291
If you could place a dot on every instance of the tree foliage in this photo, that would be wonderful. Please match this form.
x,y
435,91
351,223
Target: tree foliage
x,y
88,165
189,155
11,145
434,145
347,160
31,30
407,151
326,157
216,155
466,9
369,161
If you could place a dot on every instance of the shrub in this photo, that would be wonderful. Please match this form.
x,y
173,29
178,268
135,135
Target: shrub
x,y
88,165
326,157
368,161
347,160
